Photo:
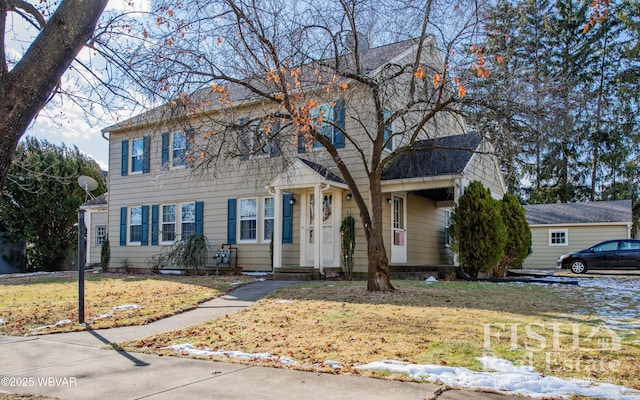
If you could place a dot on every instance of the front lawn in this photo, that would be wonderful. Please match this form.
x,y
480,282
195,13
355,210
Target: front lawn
x,y
554,328
44,304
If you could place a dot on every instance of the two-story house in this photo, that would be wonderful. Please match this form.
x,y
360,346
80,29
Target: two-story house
x,y
281,189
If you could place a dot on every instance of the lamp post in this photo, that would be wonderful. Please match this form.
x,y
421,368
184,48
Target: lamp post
x,y
81,262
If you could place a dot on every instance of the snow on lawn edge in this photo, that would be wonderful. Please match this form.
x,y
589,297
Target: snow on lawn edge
x,y
500,375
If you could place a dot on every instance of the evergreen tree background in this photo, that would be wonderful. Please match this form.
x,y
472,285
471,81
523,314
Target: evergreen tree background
x,y
41,198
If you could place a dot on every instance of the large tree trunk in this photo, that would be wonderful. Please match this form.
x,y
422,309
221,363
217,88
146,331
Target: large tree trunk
x,y
378,263
25,89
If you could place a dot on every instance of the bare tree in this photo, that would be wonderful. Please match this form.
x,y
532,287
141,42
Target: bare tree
x,y
26,85
291,57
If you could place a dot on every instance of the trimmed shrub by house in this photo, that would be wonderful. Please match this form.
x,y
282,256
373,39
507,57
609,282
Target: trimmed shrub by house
x,y
477,231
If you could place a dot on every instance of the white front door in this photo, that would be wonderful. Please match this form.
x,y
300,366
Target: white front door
x,y
327,232
398,230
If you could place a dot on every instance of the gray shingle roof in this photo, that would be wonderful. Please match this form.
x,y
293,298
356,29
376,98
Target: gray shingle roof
x,y
98,201
576,213
447,155
373,59
322,171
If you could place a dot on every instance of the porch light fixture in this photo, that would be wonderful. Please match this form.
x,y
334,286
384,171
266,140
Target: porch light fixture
x,y
349,196
292,201
389,200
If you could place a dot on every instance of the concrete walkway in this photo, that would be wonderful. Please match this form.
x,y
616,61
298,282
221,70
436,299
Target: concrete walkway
x,y
77,366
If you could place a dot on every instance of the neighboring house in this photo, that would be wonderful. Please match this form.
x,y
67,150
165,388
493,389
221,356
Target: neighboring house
x,y
12,255
296,196
557,229
95,220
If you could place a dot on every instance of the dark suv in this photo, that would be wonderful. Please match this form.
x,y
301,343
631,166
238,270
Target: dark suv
x,y
612,254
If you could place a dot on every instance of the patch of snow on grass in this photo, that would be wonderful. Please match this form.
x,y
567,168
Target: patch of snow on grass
x,y
236,283
333,364
1,321
57,324
431,279
284,302
503,376
207,352
126,307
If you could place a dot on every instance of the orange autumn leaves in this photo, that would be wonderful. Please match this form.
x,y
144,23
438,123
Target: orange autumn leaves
x,y
599,12
479,66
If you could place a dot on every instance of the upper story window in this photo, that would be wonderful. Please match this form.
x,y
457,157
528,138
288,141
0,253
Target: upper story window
x,y
260,139
330,122
388,130
323,114
135,156
175,148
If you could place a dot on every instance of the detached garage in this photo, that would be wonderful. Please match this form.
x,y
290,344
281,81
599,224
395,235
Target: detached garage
x,y
562,228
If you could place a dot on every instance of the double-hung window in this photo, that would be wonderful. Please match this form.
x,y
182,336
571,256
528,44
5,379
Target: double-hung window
x,y
135,224
178,149
101,234
388,130
137,155
268,218
248,220
168,231
323,116
187,220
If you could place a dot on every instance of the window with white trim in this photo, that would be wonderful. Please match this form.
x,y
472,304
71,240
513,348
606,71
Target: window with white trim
x,y
323,115
268,218
137,155
558,237
135,225
447,223
168,229
187,220
248,220
388,131
101,234
178,149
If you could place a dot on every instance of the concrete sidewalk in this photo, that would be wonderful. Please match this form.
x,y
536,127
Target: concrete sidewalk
x,y
77,366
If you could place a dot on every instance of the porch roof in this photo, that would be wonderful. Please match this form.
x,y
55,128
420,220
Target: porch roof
x,y
304,174
448,155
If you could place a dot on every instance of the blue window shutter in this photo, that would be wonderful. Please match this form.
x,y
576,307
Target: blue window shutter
x,y
125,158
123,226
274,148
145,226
287,218
231,221
199,217
146,157
155,210
165,148
302,143
338,120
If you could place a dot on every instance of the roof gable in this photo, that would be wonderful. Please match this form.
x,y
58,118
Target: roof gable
x,y
448,155
579,213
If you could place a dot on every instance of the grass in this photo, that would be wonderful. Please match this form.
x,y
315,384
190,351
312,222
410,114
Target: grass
x,y
29,303
444,323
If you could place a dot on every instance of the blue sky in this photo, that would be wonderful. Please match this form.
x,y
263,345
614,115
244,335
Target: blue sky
x,y
63,121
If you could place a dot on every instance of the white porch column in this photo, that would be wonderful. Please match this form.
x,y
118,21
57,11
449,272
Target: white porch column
x,y
277,229
317,227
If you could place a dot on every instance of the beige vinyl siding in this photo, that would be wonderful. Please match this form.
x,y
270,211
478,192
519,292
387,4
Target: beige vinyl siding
x,y
483,168
424,223
578,237
98,218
